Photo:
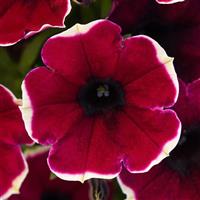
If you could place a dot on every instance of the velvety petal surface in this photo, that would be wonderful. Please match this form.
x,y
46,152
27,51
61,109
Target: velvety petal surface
x,y
39,186
34,16
97,55
49,115
13,170
12,129
147,138
88,143
146,79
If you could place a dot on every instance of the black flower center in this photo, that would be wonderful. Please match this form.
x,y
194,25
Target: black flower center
x,y
186,155
101,95
54,195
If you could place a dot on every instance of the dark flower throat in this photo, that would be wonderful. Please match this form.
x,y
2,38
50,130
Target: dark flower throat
x,y
101,95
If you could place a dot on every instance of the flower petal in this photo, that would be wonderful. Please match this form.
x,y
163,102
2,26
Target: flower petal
x,y
151,137
89,144
12,129
50,114
13,170
34,16
97,55
187,106
146,79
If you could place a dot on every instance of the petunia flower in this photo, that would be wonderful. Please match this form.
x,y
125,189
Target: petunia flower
x,y
175,26
102,102
20,19
13,167
40,186
177,176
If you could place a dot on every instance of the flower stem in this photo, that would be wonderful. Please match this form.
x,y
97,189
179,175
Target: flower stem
x,y
99,189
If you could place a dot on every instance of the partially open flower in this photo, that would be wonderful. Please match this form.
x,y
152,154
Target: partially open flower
x,y
178,176
40,186
13,168
102,101
20,19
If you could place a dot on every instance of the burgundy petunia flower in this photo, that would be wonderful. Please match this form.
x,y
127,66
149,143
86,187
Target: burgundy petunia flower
x,y
176,27
40,186
20,19
13,168
101,101
177,176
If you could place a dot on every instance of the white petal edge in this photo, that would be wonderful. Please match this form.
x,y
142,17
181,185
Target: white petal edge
x,y
170,2
75,30
167,148
78,29
17,182
83,176
166,61
43,27
130,195
27,111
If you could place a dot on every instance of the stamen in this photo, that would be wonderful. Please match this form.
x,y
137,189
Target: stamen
x,y
103,91
101,95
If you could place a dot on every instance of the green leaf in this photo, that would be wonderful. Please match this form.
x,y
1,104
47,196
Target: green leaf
x,y
52,176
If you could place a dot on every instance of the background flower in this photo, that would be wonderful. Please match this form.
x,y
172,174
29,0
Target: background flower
x,y
40,186
19,19
13,168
